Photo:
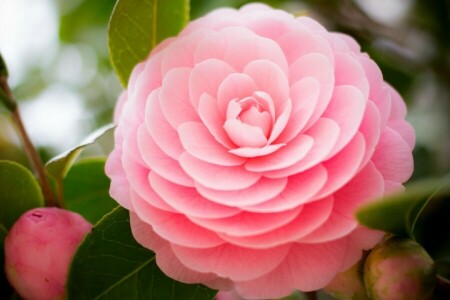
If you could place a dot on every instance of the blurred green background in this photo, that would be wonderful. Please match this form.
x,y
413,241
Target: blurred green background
x,y
60,72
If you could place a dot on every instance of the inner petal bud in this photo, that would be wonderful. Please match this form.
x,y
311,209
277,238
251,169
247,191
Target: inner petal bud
x,y
250,120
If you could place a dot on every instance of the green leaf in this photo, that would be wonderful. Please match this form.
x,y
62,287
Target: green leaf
x,y
398,212
86,189
137,26
110,264
58,166
20,192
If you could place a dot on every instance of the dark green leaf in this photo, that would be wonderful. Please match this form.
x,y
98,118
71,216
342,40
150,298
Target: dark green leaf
x,y
137,26
397,213
58,166
110,264
86,189
20,192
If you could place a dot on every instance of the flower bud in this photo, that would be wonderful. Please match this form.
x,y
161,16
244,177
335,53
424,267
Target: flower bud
x,y
399,268
348,285
39,249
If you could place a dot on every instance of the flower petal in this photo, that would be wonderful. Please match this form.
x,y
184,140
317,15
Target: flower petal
x,y
264,189
252,263
198,142
217,177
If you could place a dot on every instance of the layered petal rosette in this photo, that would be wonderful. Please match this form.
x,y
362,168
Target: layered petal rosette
x,y
244,145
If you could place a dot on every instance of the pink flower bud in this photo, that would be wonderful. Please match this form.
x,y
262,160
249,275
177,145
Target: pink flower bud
x,y
398,269
39,249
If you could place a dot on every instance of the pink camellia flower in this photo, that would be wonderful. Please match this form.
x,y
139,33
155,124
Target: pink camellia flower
x,y
39,249
244,145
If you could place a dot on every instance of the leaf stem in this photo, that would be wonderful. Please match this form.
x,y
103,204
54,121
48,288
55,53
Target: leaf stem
x,y
7,98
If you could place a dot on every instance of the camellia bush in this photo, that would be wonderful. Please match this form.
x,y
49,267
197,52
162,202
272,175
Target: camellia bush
x,y
257,155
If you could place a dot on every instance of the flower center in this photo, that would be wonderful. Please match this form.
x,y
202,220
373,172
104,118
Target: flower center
x,y
250,120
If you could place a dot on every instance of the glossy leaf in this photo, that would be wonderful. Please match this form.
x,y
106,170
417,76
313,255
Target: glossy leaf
x,y
20,192
398,213
136,27
58,166
110,264
86,189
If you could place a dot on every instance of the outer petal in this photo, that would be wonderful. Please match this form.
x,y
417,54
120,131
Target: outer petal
x,y
318,264
232,262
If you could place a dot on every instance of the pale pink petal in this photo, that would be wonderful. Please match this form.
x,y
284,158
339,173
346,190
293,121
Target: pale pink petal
x,y
166,259
346,108
248,223
348,71
393,187
338,45
245,49
270,26
188,201
284,157
393,157
379,94
175,227
344,165
336,226
310,43
164,135
360,239
281,121
319,67
213,120
180,53
206,78
325,133
160,163
350,41
174,98
217,177
244,135
311,217
370,129
119,107
219,18
255,152
213,45
310,24
235,86
145,79
198,142
145,192
301,189
263,190
304,95
119,188
398,106
306,268
271,79
232,262
405,130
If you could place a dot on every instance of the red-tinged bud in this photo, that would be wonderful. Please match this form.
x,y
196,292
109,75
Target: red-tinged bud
x,y
38,251
397,269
